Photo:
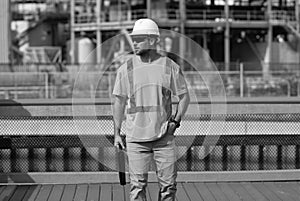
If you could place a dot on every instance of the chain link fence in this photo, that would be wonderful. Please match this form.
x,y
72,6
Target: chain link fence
x,y
56,144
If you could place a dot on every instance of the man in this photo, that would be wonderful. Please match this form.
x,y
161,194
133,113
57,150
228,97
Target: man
x,y
145,84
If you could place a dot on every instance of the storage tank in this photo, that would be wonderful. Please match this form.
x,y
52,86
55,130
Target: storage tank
x,y
86,51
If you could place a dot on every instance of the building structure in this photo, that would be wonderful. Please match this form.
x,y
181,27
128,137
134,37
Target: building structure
x,y
39,25
224,28
267,31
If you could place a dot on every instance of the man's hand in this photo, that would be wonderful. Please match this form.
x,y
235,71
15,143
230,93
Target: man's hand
x,y
171,128
118,142
118,113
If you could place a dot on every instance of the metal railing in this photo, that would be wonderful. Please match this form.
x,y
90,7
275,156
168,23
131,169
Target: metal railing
x,y
86,18
138,14
248,15
191,14
36,137
96,84
283,15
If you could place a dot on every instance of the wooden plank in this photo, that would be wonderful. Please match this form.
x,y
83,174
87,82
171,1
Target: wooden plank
x,y
56,192
2,188
243,194
69,192
7,193
127,191
295,186
283,195
205,193
32,193
217,192
93,192
153,190
181,194
118,192
44,193
105,193
81,192
263,189
254,192
287,187
19,193
195,176
192,192
229,192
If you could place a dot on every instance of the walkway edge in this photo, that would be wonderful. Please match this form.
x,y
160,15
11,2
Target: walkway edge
x,y
112,177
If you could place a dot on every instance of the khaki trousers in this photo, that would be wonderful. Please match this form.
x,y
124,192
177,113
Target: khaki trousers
x,y
140,154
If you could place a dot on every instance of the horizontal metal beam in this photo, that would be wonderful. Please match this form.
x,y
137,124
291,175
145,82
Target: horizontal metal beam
x,y
107,101
28,1
189,24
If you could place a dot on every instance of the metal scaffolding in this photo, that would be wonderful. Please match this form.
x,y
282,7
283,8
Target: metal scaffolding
x,y
225,19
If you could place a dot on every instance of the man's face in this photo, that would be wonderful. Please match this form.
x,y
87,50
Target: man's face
x,y
141,44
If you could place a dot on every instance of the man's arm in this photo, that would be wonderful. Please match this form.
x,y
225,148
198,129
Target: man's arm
x,y
118,113
184,101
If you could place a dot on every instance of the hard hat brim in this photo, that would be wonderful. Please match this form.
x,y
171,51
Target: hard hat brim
x,y
144,32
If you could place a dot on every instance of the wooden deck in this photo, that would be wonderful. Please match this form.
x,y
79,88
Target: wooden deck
x,y
194,191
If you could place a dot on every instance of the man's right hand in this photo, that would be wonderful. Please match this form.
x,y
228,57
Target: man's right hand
x,y
118,142
171,128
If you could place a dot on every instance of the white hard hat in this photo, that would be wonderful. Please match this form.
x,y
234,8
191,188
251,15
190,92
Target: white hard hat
x,y
145,27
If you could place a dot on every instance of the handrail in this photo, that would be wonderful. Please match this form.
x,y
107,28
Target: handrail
x,y
283,15
195,14
53,84
92,107
107,101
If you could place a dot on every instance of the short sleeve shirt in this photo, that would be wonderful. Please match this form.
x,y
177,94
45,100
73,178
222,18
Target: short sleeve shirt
x,y
148,88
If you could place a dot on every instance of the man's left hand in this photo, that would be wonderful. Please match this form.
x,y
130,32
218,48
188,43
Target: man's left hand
x,y
171,128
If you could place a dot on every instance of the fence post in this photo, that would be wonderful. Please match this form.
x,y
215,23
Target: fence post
x,y
241,80
225,157
46,85
189,158
297,157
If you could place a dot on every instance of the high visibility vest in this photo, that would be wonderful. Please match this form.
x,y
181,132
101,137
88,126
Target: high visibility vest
x,y
166,93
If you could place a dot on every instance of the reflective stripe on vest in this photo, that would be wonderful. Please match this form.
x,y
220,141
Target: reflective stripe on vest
x,y
130,78
166,93
145,109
